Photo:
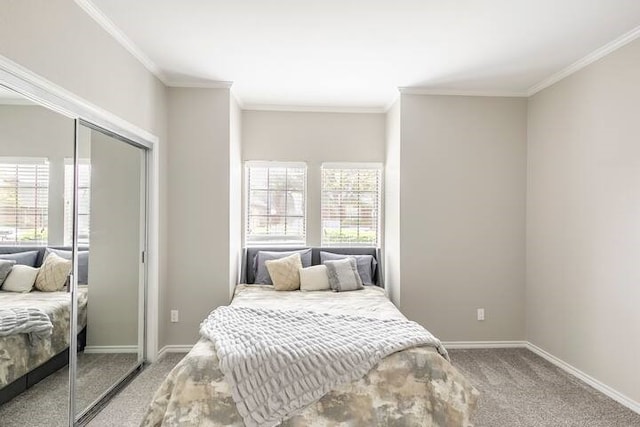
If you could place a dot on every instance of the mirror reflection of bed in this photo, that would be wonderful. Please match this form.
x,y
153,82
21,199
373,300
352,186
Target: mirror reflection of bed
x,y
37,149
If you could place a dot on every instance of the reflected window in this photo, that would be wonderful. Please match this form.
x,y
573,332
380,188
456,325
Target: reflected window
x,y
351,204
276,202
24,201
84,201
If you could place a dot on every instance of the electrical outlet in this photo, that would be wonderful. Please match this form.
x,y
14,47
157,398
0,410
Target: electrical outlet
x,y
481,314
175,316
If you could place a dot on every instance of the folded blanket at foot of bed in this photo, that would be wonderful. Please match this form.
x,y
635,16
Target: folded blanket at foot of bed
x,y
29,320
277,362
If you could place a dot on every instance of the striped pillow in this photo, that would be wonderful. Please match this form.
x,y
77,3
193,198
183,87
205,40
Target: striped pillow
x,y
343,275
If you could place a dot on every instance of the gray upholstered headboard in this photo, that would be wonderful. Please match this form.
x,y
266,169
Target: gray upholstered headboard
x,y
41,249
249,255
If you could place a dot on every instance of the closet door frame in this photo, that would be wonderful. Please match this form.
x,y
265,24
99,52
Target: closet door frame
x,y
54,97
81,418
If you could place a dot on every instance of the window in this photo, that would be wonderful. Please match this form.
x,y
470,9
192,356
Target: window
x,y
350,204
84,201
24,201
276,202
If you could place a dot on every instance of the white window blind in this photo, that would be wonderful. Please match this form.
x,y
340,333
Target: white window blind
x,y
276,202
351,204
84,201
24,201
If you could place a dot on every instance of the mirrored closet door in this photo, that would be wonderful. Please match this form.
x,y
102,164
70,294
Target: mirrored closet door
x,y
111,220
73,232
36,144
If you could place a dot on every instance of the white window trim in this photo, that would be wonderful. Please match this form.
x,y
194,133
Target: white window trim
x,y
356,165
67,214
267,240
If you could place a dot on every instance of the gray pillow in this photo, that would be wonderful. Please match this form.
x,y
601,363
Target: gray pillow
x,y
343,275
5,268
83,262
260,269
24,258
366,264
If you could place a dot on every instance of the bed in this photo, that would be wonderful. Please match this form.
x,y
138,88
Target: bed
x,y
412,387
24,360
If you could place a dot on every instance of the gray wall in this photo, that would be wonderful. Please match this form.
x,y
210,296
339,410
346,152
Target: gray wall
x,y
313,138
462,215
114,258
235,193
199,190
392,255
583,220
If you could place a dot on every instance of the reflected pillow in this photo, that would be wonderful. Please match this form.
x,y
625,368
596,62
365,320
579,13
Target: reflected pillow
x,y
260,270
366,264
285,272
314,278
343,275
83,262
23,258
5,269
53,274
20,279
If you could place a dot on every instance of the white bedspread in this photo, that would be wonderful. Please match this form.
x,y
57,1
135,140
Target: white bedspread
x,y
279,361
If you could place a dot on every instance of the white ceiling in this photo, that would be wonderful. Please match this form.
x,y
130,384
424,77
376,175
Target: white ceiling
x,y
355,53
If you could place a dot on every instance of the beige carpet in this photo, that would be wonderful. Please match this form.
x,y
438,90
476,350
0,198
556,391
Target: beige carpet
x,y
46,403
518,388
128,407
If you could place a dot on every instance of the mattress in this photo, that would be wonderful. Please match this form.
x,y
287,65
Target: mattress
x,y
18,354
414,387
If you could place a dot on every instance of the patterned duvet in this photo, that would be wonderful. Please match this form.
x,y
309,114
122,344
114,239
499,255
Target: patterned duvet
x,y
18,355
415,387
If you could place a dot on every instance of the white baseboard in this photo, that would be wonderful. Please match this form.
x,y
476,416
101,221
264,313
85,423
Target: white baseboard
x,y
94,349
601,387
174,349
483,344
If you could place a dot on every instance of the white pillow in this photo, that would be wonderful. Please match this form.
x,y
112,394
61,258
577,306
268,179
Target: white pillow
x,y
20,279
314,278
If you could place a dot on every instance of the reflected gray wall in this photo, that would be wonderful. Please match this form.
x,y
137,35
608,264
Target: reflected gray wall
x,y
33,131
115,242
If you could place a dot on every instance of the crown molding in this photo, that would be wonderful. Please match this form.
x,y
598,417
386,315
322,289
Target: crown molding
x,y
202,84
237,98
392,102
118,35
587,60
314,109
455,92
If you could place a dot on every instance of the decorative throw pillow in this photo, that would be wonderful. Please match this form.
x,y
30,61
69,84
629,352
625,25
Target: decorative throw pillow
x,y
343,275
53,273
83,262
285,272
23,258
366,264
5,269
20,279
261,275
314,278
